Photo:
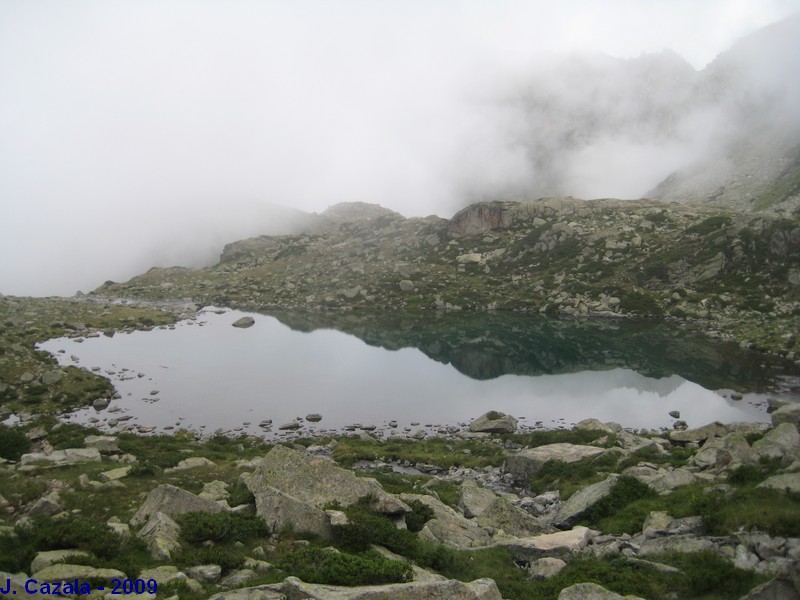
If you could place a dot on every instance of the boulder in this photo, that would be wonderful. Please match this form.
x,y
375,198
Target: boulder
x,y
474,499
163,575
172,501
47,505
729,451
494,422
676,543
193,462
789,413
238,578
545,568
51,557
782,442
581,501
162,535
244,322
784,481
106,444
59,458
52,377
529,461
279,510
593,425
448,527
501,514
114,474
317,481
774,589
480,589
562,544
65,572
698,434
662,481
591,591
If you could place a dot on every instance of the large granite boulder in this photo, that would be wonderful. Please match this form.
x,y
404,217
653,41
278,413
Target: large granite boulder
x,y
591,591
494,422
162,536
581,501
436,589
474,499
51,557
448,527
782,442
172,501
783,481
59,458
699,434
318,481
502,515
562,544
279,510
789,413
529,461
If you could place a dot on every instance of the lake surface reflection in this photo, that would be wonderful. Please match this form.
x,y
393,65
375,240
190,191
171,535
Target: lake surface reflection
x,y
432,369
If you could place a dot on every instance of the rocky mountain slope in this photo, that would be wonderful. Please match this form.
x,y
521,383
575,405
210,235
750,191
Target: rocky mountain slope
x,y
737,274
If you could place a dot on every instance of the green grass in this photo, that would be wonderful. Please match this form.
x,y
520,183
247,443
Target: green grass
x,y
437,451
13,443
567,478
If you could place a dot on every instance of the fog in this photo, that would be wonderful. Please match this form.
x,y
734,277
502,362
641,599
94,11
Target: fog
x,y
149,132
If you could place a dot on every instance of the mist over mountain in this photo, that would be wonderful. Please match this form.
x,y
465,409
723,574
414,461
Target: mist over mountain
x,y
117,156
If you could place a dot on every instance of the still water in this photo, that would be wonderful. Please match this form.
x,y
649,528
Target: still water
x,y
432,370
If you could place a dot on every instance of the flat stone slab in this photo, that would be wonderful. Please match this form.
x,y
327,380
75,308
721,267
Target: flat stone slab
x,y
51,557
785,481
559,544
172,501
59,458
530,461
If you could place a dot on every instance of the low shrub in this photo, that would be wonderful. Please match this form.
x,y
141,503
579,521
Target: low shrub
x,y
421,514
199,527
13,443
625,491
316,565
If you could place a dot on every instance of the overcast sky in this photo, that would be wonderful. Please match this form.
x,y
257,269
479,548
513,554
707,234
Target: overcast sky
x,y
136,133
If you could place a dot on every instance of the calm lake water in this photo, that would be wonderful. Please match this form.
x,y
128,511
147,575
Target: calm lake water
x,y
432,369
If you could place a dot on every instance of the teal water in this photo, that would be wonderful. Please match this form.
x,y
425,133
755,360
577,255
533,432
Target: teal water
x,y
425,371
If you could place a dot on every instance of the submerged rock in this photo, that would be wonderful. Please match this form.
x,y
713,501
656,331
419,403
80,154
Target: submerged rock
x,y
244,322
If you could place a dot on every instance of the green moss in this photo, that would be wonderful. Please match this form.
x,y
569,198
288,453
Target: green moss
x,y
316,565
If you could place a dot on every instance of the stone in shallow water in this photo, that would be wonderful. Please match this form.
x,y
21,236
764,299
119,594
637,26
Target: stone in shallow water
x,y
244,322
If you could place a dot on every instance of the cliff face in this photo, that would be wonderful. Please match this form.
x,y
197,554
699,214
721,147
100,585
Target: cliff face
x,y
565,256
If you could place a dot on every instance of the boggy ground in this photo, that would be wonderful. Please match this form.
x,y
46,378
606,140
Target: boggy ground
x,y
711,512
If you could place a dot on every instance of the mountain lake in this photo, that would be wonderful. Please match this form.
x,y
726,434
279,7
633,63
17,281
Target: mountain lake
x,y
400,373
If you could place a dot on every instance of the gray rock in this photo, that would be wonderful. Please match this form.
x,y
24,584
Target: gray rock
x,y
784,481
676,543
480,589
314,418
502,515
545,568
58,458
279,510
569,512
318,481
783,442
774,589
163,575
193,462
290,426
215,491
406,285
529,461
790,413
562,544
162,535
114,474
51,557
591,591
244,322
494,422
727,451
699,434
65,572
593,425
52,377
106,444
238,578
101,403
448,527
47,505
474,499
172,501
663,481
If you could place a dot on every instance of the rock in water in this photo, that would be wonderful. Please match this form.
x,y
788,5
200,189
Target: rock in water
x,y
244,322
494,422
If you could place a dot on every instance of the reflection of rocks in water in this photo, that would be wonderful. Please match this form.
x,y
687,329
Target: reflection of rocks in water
x,y
486,346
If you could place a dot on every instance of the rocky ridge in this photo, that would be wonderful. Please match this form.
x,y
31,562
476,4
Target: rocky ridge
x,y
737,275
